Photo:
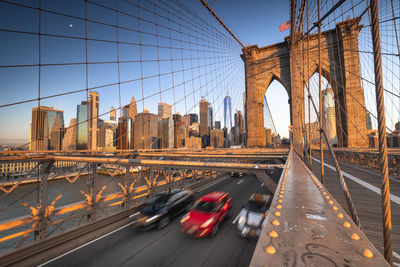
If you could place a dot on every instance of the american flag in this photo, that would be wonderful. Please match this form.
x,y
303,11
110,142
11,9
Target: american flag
x,y
284,26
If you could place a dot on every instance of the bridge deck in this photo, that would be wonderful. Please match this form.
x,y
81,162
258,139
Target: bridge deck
x,y
306,229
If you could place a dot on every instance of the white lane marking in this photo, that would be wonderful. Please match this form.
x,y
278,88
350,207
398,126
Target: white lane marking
x,y
240,181
396,255
84,245
223,179
262,185
375,189
371,172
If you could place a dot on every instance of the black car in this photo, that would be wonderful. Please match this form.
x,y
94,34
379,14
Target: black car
x,y
237,174
163,207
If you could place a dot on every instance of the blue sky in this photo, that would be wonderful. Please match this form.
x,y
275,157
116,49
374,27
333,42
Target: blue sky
x,y
219,69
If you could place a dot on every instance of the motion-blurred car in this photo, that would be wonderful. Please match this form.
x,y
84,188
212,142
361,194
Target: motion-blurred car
x,y
236,174
251,218
206,215
160,209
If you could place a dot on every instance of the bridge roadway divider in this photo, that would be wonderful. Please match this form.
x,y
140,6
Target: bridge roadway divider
x,y
306,226
42,251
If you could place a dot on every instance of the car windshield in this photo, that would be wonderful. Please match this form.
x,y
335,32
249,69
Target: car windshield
x,y
158,199
204,206
155,204
256,206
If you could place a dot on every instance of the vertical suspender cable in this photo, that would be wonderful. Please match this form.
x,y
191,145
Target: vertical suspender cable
x,y
320,94
383,156
308,81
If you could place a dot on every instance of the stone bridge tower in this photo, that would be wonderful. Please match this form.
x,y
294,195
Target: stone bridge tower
x,y
340,65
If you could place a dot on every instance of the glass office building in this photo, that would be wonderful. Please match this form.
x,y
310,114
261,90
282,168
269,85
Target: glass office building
x,y
82,127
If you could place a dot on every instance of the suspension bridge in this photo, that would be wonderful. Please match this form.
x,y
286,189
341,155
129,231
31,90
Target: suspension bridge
x,y
161,95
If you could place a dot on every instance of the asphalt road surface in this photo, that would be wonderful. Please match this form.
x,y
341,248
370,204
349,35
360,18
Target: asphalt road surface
x,y
168,246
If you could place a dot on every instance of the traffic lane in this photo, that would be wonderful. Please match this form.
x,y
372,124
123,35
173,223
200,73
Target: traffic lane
x,y
368,175
131,247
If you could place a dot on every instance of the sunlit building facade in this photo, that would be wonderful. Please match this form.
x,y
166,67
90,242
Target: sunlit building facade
x,y
44,119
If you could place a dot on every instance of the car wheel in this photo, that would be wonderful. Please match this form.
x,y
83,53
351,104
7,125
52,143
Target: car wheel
x,y
214,231
163,223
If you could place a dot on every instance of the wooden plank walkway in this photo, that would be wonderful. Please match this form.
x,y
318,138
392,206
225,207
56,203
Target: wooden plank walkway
x,y
367,202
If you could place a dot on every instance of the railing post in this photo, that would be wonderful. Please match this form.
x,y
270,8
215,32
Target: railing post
x,y
151,189
91,215
383,156
127,193
42,224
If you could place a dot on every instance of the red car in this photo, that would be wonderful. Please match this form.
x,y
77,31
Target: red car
x,y
206,215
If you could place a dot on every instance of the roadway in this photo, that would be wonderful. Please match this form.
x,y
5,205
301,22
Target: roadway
x,y
168,247
364,186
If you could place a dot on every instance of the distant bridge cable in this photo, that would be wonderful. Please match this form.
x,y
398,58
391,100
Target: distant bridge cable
x,y
222,23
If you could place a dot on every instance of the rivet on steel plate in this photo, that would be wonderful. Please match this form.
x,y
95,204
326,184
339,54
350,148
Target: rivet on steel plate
x,y
275,222
346,224
367,253
355,236
270,249
273,234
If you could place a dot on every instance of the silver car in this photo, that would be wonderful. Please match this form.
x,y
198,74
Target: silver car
x,y
250,220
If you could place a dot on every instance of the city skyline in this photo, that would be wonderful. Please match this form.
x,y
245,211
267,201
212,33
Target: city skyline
x,y
92,132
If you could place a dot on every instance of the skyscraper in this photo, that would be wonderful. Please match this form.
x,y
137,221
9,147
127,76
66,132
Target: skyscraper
x,y
125,111
82,128
125,133
69,140
241,127
193,117
93,119
132,109
210,117
228,112
203,117
108,134
146,130
113,114
218,125
56,134
164,110
179,134
166,132
43,119
186,120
